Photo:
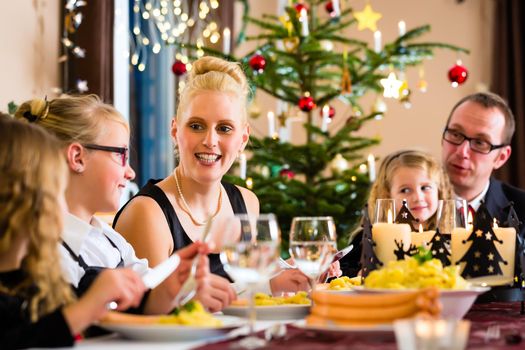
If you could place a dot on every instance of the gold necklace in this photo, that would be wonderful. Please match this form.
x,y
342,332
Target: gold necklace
x,y
186,207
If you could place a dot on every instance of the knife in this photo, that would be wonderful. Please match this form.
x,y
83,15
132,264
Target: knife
x,y
159,273
337,256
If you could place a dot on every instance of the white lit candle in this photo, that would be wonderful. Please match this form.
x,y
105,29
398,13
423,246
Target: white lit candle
x,y
385,235
506,249
377,41
371,167
242,165
325,112
457,247
402,28
303,18
336,7
271,124
422,238
226,41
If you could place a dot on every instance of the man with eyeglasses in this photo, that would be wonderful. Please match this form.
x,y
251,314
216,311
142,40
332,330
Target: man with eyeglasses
x,y
476,141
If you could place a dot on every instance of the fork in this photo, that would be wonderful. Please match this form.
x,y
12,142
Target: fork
x,y
492,333
189,287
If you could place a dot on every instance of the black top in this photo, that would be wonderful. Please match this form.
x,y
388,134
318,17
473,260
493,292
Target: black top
x,y
180,237
16,329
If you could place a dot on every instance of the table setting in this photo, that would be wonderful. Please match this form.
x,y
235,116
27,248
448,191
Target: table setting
x,y
342,312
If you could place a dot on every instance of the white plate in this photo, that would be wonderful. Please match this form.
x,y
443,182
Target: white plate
x,y
277,312
455,302
174,332
378,328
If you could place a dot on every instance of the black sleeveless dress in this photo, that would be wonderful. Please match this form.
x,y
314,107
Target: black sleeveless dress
x,y
180,237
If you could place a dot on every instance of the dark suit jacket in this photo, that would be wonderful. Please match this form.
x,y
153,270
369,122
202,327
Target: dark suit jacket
x,y
498,197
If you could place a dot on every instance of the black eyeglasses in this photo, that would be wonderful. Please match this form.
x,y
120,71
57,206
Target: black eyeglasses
x,y
122,151
477,145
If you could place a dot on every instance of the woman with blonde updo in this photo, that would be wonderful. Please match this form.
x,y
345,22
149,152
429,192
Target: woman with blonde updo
x,y
37,305
209,131
94,139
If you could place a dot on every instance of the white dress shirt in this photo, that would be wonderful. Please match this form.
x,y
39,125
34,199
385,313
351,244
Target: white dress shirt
x,y
90,241
476,202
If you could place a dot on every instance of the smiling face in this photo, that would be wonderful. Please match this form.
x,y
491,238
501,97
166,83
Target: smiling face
x,y
209,135
418,188
469,171
104,174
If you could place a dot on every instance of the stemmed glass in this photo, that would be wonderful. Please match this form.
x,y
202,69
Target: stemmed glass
x,y
312,244
249,253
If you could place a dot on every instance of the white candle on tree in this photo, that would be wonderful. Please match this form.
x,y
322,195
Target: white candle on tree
x,y
242,165
271,124
325,112
377,41
336,7
303,18
402,28
226,41
371,167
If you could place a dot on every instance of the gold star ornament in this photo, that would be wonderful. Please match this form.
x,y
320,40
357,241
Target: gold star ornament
x,y
367,18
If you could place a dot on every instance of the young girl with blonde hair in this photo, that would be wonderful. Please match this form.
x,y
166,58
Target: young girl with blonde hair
x,y
411,175
94,138
415,176
210,130
37,305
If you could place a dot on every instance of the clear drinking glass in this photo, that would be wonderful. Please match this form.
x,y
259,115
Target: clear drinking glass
x,y
250,248
385,211
451,214
312,244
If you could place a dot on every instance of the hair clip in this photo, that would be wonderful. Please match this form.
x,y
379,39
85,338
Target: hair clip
x,y
46,109
30,117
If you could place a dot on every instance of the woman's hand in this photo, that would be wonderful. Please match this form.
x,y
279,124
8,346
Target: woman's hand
x,y
213,291
289,281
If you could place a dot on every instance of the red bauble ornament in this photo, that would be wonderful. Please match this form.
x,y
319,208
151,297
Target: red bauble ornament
x,y
178,68
306,103
457,74
287,173
257,63
329,7
331,112
299,6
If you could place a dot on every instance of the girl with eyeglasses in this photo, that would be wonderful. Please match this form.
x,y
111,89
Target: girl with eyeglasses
x,y
94,139
37,305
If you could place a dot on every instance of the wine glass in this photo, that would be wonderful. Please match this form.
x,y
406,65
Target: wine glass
x,y
250,248
312,244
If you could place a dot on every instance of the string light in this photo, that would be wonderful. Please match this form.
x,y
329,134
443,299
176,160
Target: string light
x,y
158,24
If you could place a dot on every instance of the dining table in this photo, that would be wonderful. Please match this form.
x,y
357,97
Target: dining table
x,y
505,316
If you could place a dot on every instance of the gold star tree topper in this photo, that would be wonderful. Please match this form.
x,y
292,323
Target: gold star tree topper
x,y
367,18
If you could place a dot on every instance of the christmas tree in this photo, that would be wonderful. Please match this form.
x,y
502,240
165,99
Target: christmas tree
x,y
303,59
